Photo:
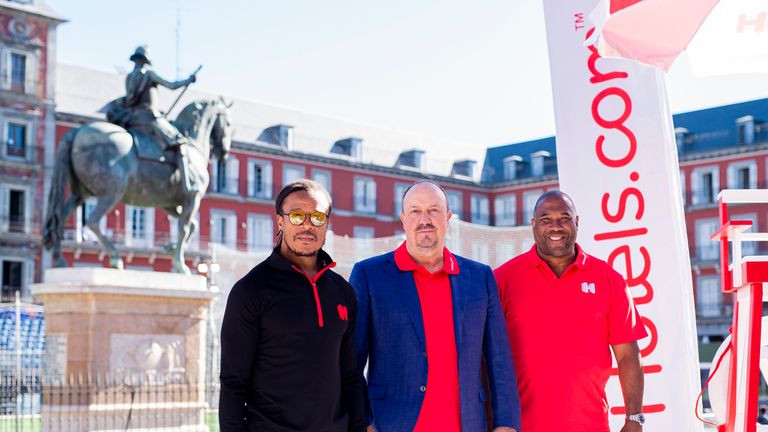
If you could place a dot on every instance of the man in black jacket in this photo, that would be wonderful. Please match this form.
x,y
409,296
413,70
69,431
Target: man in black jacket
x,y
287,339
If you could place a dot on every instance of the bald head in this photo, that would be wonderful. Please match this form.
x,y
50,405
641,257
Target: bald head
x,y
422,186
555,195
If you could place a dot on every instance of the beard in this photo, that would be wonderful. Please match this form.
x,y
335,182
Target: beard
x,y
298,253
426,241
294,252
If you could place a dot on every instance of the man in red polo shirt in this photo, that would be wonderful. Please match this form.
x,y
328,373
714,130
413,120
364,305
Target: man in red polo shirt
x,y
565,311
427,321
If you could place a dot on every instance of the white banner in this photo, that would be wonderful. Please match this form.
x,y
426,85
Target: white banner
x,y
617,158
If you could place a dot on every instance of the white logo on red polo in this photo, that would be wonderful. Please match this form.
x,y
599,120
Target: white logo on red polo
x,y
588,287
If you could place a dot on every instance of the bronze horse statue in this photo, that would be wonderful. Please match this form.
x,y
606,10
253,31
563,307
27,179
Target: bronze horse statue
x,y
100,160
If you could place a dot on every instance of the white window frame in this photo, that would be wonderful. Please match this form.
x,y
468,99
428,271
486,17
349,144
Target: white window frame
x,y
505,217
529,204
317,172
697,197
399,190
290,167
148,240
28,124
366,203
260,232
30,81
706,249
715,309
231,219
735,167
455,203
5,202
266,178
481,209
231,176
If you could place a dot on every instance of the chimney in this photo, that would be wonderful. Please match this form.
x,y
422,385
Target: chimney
x,y
411,159
511,166
537,162
280,135
681,135
745,127
351,147
463,168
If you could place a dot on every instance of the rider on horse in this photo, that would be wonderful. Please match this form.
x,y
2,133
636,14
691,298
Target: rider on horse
x,y
138,111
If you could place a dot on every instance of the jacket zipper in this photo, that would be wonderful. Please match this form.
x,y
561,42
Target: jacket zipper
x,y
313,282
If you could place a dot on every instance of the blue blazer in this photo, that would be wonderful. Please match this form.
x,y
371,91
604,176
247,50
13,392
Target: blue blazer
x,y
389,336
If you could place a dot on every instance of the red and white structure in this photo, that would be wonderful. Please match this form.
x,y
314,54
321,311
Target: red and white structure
x,y
743,276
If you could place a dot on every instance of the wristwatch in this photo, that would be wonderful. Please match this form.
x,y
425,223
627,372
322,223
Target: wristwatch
x,y
638,418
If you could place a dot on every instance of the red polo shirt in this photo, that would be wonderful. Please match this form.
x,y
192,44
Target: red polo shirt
x,y
561,330
440,409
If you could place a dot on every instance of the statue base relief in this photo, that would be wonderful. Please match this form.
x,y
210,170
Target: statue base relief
x,y
130,344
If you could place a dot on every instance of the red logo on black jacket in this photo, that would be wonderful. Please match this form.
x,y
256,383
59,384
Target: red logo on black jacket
x,y
342,312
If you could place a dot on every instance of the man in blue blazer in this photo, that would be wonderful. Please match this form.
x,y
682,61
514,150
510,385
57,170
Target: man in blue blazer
x,y
427,321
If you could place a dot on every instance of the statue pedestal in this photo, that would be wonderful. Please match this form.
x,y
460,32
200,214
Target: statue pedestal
x,y
124,348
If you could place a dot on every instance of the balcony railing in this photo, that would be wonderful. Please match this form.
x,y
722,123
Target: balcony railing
x,y
227,186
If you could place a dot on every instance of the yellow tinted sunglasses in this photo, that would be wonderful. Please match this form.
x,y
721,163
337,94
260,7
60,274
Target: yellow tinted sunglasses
x,y
297,217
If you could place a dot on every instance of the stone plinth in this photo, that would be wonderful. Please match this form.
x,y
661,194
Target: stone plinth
x,y
122,327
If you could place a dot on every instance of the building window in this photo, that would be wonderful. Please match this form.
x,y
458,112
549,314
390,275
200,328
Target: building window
x,y
18,72
537,162
742,175
224,228
456,203
504,209
13,277
480,209
139,226
365,195
16,207
292,173
529,204
16,140
399,192
225,174
707,249
510,167
259,179
705,183
746,128
323,177
709,299
260,237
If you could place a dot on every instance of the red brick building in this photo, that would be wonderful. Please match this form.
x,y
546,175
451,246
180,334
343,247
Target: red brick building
x,y
27,120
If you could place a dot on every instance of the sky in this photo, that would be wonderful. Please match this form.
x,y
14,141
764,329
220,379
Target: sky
x,y
472,72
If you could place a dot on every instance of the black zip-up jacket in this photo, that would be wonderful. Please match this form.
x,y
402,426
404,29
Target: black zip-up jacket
x,y
287,352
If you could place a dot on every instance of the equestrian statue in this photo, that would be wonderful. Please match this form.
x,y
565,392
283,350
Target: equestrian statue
x,y
138,157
